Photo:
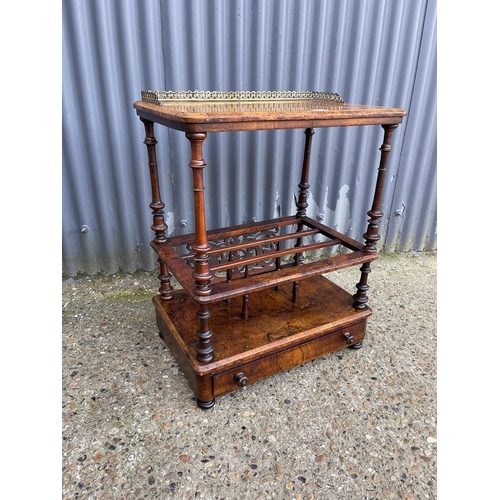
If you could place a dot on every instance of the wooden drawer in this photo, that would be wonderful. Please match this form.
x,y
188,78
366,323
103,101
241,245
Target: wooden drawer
x,y
248,373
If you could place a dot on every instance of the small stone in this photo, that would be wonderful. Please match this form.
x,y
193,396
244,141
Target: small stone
x,y
209,464
302,479
289,486
287,401
333,447
431,440
151,480
97,457
320,458
184,458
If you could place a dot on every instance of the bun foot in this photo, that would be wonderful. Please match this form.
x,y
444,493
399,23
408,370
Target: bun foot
x,y
205,405
358,345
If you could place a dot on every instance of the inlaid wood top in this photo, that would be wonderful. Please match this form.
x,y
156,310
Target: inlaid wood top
x,y
205,115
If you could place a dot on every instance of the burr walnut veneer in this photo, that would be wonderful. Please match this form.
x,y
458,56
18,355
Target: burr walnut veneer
x,y
252,302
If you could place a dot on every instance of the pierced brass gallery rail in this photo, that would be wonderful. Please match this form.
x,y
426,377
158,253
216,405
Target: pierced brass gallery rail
x,y
157,97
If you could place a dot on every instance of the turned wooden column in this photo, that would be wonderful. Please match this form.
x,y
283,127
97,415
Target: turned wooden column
x,y
302,202
159,226
371,236
202,273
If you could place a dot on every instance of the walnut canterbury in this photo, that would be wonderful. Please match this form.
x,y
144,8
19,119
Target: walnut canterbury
x,y
253,300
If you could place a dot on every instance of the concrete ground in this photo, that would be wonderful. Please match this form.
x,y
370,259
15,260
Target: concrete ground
x,y
357,424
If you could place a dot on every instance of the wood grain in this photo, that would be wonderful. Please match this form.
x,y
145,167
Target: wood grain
x,y
222,116
277,335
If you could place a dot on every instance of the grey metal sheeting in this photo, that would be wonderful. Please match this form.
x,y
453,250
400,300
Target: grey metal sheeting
x,y
377,52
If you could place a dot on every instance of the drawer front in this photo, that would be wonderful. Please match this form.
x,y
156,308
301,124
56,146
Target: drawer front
x,y
276,362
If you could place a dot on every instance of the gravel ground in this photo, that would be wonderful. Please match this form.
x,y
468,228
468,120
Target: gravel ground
x,y
354,424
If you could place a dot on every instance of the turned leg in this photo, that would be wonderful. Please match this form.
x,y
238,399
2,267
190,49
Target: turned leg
x,y
202,273
166,290
205,348
302,203
360,298
371,236
159,227
244,307
246,297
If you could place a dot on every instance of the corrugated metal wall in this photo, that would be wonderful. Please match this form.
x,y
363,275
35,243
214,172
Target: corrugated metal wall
x,y
378,52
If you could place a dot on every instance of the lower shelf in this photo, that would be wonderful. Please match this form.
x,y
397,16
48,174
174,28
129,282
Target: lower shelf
x,y
278,334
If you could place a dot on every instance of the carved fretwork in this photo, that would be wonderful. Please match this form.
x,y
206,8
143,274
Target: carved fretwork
x,y
263,245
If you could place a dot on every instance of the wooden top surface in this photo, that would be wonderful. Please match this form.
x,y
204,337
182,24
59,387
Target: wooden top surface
x,y
222,115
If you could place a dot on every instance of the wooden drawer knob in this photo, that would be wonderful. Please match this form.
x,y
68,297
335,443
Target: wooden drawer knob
x,y
349,338
241,379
